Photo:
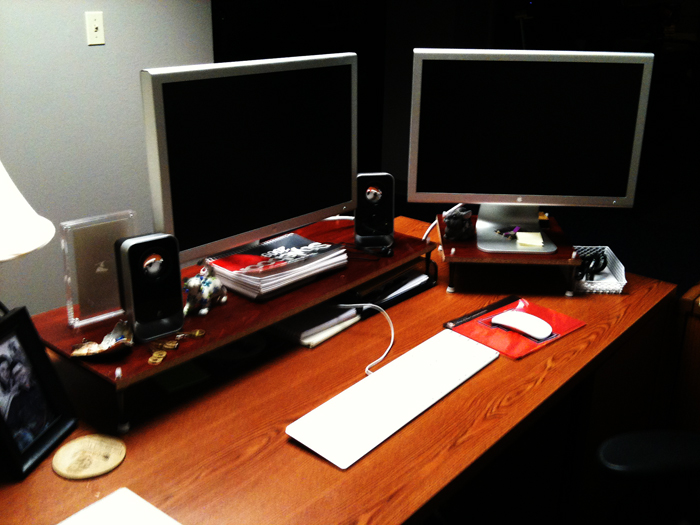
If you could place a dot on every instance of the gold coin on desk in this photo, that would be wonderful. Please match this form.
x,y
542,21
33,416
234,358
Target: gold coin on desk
x,y
164,345
194,333
160,354
89,456
155,360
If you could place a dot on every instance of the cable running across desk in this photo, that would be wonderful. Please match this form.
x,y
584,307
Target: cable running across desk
x,y
391,326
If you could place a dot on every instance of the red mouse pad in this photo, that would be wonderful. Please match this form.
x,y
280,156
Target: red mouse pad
x,y
477,326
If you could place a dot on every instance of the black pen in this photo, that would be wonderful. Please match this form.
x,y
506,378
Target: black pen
x,y
473,315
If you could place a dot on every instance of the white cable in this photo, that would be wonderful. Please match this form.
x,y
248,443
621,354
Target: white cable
x,y
340,218
391,326
447,213
430,228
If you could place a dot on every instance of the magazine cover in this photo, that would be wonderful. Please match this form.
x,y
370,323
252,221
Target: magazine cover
x,y
477,326
276,265
277,255
254,288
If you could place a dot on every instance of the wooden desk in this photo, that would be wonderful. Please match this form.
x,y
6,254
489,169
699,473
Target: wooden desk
x,y
222,456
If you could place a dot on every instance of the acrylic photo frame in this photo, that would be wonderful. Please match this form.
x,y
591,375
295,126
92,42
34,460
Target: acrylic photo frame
x,y
35,413
91,276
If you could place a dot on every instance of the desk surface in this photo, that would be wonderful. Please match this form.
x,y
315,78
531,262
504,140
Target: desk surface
x,y
223,456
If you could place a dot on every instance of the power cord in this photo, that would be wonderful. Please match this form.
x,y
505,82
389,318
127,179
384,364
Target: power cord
x,y
391,326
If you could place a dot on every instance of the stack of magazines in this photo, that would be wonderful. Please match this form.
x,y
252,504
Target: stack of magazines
x,y
272,267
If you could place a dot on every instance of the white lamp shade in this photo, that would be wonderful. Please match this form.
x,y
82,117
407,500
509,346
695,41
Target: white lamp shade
x,y
22,230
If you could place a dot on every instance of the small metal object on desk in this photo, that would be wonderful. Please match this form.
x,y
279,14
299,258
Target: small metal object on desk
x,y
172,344
164,345
157,357
159,348
194,333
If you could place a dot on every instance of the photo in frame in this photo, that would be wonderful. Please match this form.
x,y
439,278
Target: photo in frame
x,y
35,413
92,287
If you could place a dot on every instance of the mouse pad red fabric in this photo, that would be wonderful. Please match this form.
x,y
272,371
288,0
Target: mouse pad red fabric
x,y
477,326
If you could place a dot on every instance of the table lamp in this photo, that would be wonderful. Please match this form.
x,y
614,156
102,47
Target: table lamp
x,y
22,230
28,433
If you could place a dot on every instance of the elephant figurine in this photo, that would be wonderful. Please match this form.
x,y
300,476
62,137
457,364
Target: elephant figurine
x,y
203,291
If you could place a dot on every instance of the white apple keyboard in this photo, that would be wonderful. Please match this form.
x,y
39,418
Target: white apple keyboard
x,y
349,425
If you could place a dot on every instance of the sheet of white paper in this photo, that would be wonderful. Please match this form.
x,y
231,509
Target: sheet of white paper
x,y
119,508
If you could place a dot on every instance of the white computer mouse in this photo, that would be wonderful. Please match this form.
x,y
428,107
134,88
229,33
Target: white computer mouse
x,y
524,323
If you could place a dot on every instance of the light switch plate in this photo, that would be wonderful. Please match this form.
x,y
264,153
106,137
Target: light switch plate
x,y
94,27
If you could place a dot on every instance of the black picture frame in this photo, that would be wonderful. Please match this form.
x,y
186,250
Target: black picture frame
x,y
35,413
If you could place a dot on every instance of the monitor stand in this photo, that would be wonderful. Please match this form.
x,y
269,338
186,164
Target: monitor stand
x,y
504,218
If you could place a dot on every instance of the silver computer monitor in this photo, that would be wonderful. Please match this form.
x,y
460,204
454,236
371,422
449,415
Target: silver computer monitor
x,y
515,130
242,151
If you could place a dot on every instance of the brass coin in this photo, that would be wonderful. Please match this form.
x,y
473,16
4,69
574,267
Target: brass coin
x,y
160,354
155,360
194,333
89,456
164,345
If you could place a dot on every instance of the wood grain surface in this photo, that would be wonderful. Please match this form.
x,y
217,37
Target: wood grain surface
x,y
223,456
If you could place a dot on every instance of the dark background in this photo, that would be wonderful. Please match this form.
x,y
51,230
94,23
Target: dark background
x,y
656,238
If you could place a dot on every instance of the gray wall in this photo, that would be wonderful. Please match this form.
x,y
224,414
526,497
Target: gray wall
x,y
71,125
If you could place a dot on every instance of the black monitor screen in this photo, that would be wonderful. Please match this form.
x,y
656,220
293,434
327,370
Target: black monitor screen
x,y
527,127
251,150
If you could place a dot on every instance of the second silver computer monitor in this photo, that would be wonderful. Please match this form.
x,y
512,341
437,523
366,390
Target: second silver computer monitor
x,y
514,130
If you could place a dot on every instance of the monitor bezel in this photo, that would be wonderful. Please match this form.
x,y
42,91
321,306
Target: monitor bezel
x,y
423,54
152,82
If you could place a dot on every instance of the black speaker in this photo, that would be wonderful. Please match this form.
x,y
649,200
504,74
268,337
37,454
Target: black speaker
x,y
150,285
374,216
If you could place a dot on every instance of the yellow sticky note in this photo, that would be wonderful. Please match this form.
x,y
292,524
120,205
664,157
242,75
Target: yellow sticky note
x,y
530,239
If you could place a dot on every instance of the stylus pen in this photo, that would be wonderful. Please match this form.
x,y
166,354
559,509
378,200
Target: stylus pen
x,y
473,315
